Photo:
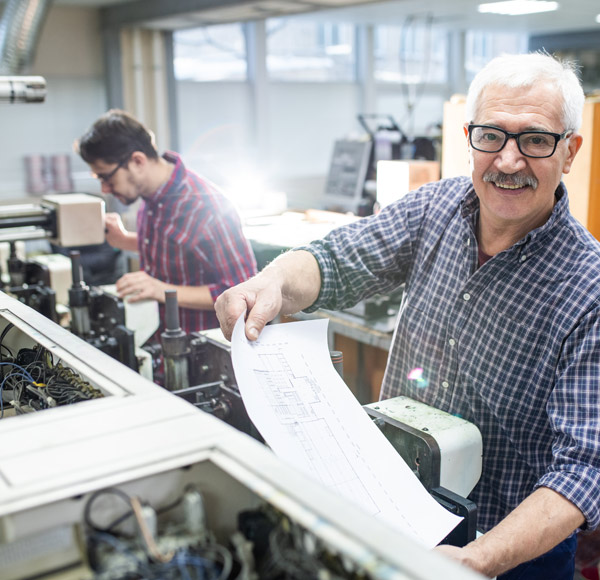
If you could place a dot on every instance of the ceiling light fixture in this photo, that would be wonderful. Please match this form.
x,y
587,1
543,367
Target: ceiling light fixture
x,y
518,7
598,18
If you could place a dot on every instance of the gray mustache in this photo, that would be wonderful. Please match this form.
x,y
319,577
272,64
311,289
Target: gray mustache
x,y
515,180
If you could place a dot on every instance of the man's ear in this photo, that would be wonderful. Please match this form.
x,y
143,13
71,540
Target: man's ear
x,y
138,158
574,144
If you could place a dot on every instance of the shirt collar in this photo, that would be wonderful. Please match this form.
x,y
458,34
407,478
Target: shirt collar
x,y
169,186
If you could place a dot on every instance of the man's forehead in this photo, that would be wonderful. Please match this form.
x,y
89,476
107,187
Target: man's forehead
x,y
534,106
537,94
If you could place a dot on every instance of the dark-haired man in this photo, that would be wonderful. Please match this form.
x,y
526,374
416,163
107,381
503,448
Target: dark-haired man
x,y
189,235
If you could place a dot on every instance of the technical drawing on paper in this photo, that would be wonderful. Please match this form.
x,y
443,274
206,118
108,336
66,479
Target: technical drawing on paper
x,y
294,395
309,417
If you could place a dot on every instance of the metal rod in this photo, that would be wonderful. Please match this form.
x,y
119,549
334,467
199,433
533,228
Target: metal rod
x,y
19,222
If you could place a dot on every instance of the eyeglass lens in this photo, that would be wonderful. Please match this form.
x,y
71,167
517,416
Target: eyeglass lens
x,y
106,177
534,144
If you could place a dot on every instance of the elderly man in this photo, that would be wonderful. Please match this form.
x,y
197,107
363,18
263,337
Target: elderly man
x,y
189,235
501,311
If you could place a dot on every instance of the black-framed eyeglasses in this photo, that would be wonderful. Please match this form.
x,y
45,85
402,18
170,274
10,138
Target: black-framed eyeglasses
x,y
106,177
537,144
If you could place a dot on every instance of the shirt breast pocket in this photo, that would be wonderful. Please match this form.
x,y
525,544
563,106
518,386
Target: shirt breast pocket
x,y
509,358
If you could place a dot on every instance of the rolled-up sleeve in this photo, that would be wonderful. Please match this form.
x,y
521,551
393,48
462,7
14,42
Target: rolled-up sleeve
x,y
372,255
574,412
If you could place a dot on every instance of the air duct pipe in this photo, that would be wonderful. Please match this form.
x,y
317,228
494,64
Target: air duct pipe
x,y
20,27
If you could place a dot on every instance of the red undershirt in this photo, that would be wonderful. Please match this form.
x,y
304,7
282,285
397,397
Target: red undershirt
x,y
483,257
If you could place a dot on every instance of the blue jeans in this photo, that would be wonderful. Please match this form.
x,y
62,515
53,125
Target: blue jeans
x,y
557,564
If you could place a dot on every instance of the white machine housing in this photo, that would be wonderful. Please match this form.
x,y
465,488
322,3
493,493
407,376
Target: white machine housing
x,y
149,443
459,441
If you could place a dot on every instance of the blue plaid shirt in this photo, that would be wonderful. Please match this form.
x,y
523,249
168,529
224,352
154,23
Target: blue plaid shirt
x,y
513,345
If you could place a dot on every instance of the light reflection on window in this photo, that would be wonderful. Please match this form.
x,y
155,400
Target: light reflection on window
x,y
483,46
306,50
414,53
210,53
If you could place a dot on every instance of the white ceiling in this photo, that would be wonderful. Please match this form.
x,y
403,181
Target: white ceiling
x,y
572,14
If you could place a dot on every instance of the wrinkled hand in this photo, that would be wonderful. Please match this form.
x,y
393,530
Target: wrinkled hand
x,y
138,286
115,232
259,297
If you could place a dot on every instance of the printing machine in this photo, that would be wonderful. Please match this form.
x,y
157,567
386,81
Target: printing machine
x,y
136,482
47,283
444,451
198,369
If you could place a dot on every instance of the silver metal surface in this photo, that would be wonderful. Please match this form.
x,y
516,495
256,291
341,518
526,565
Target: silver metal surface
x,y
22,89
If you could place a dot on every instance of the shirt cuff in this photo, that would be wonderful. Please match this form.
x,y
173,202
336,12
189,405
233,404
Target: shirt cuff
x,y
578,484
320,257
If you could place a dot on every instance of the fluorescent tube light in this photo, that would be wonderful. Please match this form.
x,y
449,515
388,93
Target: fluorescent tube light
x,y
518,7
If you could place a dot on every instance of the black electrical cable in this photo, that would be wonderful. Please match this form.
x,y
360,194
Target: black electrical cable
x,y
4,333
88,506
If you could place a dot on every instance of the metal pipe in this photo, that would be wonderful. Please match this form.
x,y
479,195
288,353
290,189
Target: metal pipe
x,y
23,210
175,346
20,29
16,235
26,89
19,222
26,222
79,298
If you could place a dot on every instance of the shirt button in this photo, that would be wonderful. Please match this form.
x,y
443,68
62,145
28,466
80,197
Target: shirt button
x,y
523,258
451,342
149,213
445,384
160,205
466,297
146,241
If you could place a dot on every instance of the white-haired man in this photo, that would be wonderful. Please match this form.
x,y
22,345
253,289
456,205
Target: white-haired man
x,y
501,309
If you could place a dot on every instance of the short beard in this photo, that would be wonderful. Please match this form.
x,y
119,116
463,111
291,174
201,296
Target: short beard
x,y
515,179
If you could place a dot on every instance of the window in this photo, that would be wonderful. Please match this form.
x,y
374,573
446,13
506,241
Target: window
x,y
414,54
306,50
588,59
210,53
483,46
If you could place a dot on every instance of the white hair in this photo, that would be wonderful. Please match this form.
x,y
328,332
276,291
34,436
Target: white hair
x,y
527,70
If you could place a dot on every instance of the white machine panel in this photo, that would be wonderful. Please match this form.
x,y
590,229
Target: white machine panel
x,y
167,476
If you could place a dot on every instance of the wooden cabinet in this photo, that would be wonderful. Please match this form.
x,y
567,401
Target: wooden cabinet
x,y
455,155
583,181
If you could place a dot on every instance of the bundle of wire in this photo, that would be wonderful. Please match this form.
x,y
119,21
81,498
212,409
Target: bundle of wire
x,y
32,382
205,560
294,554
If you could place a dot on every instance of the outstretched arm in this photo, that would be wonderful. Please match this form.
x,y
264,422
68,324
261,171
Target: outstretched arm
x,y
288,284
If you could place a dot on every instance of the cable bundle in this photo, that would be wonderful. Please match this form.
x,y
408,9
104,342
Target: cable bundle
x,y
31,381
117,555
